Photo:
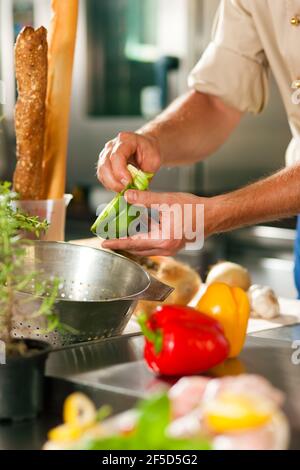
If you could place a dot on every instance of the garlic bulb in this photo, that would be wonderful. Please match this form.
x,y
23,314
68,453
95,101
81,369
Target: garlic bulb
x,y
229,273
264,303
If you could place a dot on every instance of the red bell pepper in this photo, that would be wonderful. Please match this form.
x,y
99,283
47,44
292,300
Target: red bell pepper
x,y
182,341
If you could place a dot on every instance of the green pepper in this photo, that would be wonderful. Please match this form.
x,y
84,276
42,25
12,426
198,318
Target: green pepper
x,y
116,213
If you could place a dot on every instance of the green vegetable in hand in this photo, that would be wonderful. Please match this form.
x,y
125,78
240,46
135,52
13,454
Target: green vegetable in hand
x,y
116,216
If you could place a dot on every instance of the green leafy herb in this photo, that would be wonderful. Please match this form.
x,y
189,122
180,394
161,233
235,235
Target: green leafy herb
x,y
13,279
104,412
150,432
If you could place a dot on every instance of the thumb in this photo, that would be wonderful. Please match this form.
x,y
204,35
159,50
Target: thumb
x,y
146,198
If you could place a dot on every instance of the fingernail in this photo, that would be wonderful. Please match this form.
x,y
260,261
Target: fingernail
x,y
131,196
124,182
107,243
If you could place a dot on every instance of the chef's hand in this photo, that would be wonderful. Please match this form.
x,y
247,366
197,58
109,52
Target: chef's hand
x,y
173,231
141,150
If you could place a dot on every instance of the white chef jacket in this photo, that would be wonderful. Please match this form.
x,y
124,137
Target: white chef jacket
x,y
250,37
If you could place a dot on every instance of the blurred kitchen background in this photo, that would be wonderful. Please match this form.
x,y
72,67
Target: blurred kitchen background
x,y
132,59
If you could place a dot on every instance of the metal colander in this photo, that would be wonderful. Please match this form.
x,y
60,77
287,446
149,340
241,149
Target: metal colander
x,y
97,294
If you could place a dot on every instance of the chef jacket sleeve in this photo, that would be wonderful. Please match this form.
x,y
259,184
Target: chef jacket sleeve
x,y
234,66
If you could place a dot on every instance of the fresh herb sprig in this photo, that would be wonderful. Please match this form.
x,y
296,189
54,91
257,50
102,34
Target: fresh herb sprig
x,y
13,279
151,431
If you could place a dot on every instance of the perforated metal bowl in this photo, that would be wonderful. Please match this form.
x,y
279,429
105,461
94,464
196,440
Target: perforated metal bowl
x,y
97,295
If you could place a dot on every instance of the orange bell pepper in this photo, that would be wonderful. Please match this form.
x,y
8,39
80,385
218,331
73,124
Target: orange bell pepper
x,y
231,307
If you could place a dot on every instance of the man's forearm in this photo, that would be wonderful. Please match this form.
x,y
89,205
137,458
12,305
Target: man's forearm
x,y
192,128
273,198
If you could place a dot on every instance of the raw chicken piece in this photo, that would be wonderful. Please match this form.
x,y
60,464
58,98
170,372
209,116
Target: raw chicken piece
x,y
187,427
187,394
123,423
274,436
190,394
244,384
53,445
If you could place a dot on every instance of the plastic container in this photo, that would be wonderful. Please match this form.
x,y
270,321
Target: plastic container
x,y
54,211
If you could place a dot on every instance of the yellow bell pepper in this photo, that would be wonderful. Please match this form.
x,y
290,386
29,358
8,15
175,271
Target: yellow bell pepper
x,y
231,307
232,413
65,433
79,410
79,415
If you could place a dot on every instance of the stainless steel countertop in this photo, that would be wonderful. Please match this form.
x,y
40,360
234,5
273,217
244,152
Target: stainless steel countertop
x,y
113,372
116,367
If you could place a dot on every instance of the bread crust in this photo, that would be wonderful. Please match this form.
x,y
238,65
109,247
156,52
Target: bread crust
x,y
31,73
62,38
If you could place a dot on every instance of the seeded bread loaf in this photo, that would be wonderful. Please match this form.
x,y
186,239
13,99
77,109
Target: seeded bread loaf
x,y
31,72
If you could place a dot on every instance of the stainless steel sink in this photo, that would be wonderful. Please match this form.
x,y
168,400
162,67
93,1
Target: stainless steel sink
x,y
285,334
267,252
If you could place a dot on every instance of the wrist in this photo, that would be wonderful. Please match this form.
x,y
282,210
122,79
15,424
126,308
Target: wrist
x,y
150,133
216,215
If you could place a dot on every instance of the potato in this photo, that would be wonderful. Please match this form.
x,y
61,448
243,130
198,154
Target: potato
x,y
229,273
183,278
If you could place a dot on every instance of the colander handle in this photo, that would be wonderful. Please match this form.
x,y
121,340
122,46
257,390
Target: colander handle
x,y
157,291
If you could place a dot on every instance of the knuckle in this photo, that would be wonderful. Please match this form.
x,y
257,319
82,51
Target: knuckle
x,y
165,245
124,135
131,244
109,145
115,155
102,161
143,198
102,156
121,146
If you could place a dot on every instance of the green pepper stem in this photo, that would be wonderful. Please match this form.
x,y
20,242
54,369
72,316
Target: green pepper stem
x,y
155,337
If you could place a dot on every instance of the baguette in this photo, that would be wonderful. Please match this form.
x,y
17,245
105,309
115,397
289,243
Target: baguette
x,y
62,39
31,72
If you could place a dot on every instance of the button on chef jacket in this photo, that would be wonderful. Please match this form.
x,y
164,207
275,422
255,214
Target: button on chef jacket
x,y
250,38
